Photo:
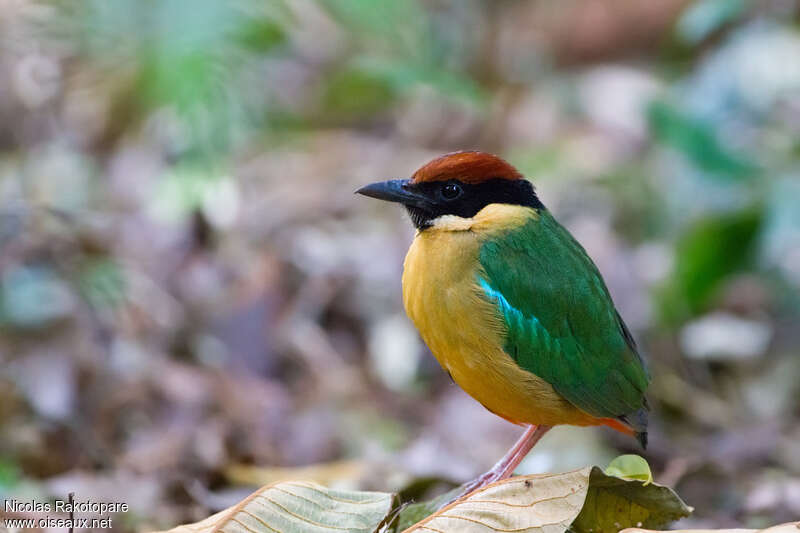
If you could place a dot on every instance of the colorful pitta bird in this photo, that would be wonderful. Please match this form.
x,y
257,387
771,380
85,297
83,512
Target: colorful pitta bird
x,y
511,305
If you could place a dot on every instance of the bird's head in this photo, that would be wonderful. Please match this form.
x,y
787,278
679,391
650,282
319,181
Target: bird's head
x,y
460,184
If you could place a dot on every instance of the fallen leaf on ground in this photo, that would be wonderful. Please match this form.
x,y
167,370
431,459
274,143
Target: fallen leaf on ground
x,y
527,503
298,506
582,501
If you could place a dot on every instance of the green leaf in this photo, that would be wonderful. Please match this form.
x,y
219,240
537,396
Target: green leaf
x,y
630,466
613,503
697,140
299,507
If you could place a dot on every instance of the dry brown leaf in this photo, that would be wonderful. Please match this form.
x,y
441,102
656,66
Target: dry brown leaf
x,y
550,502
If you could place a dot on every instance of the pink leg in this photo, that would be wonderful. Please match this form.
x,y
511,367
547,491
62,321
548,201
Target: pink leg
x,y
506,466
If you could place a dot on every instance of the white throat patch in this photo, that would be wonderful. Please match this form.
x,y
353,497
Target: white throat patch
x,y
452,223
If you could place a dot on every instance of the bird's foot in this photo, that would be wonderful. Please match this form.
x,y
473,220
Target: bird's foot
x,y
481,481
505,466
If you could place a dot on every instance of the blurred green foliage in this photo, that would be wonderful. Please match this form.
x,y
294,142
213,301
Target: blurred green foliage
x,y
196,69
101,282
710,251
698,141
9,474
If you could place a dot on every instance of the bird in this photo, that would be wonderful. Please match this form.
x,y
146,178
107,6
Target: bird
x,y
512,306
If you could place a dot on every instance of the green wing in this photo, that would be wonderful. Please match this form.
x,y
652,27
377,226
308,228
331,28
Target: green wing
x,y
562,324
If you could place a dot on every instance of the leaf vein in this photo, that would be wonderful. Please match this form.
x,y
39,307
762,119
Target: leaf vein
x,y
327,495
248,528
327,509
297,516
484,524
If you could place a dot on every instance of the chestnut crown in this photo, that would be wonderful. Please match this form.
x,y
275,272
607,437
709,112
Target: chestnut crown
x,y
467,167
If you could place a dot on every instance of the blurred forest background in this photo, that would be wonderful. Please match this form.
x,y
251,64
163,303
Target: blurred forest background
x,y
193,302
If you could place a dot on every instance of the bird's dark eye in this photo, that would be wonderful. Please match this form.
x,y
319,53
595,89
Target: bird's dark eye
x,y
451,191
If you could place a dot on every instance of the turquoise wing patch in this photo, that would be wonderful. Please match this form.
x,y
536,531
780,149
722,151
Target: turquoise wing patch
x,y
518,322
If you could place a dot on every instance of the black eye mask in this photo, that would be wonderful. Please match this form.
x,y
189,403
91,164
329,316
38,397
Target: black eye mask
x,y
454,197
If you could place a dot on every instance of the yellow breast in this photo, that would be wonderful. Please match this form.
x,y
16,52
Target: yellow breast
x,y
463,329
